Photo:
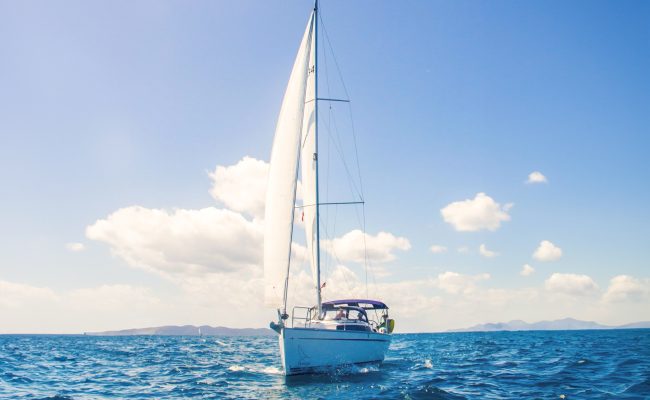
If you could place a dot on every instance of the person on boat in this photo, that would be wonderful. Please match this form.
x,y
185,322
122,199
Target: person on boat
x,y
340,314
383,325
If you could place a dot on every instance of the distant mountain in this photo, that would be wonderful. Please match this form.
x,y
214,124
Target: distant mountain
x,y
565,324
187,330
636,325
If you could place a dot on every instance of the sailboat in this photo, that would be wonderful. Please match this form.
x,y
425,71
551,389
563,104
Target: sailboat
x,y
315,338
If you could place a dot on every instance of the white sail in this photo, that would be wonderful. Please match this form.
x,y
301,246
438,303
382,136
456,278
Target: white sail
x,y
308,165
281,192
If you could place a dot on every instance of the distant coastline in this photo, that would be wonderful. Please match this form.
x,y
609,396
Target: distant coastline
x,y
514,325
566,324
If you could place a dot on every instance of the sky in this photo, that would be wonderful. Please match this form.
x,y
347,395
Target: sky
x,y
503,148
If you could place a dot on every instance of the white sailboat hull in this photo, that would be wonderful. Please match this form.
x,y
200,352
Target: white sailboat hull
x,y
308,350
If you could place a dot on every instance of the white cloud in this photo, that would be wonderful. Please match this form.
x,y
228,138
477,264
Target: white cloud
x,y
625,287
181,241
456,283
536,177
241,187
380,248
572,284
14,294
487,253
527,270
476,214
75,247
463,249
547,251
76,310
438,249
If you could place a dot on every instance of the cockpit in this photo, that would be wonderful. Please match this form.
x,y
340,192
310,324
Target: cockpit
x,y
345,313
350,315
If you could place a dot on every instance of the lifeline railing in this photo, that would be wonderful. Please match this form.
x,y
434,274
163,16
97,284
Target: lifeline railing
x,y
306,318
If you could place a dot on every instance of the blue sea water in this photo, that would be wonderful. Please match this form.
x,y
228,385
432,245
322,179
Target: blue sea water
x,y
521,365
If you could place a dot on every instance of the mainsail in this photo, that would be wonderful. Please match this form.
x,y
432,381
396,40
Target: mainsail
x,y
308,162
283,171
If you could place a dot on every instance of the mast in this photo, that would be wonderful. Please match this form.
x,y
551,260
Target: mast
x,y
318,285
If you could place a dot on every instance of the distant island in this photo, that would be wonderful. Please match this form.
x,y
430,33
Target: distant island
x,y
187,330
566,324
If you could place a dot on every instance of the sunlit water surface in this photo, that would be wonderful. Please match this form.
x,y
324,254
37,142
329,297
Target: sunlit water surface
x,y
523,365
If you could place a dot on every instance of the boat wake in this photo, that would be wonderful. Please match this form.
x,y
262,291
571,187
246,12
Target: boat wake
x,y
255,370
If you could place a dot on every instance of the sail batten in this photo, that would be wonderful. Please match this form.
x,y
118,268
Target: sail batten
x,y
283,170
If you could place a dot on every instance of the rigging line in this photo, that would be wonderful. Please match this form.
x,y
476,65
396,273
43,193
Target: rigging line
x,y
351,182
333,203
333,252
347,94
356,151
354,139
338,148
336,63
329,99
360,190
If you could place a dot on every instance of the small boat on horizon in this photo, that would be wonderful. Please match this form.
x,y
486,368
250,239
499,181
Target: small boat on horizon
x,y
328,334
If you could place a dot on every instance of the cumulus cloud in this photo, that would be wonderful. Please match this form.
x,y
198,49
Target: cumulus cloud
x,y
456,283
75,247
625,287
476,214
547,251
536,177
241,187
483,250
526,270
438,249
181,241
380,248
572,284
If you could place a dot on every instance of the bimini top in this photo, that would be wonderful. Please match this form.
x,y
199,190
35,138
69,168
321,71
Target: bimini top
x,y
365,304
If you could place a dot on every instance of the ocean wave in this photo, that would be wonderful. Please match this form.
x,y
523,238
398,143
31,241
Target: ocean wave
x,y
424,366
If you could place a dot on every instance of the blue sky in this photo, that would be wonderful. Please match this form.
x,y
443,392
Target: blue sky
x,y
108,105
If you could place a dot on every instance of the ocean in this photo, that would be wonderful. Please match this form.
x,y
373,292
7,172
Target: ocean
x,y
602,364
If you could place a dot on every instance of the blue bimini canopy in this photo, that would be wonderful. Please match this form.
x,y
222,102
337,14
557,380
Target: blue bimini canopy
x,y
365,304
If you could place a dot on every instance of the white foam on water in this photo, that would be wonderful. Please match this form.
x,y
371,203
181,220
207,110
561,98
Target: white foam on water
x,y
272,371
258,370
354,369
